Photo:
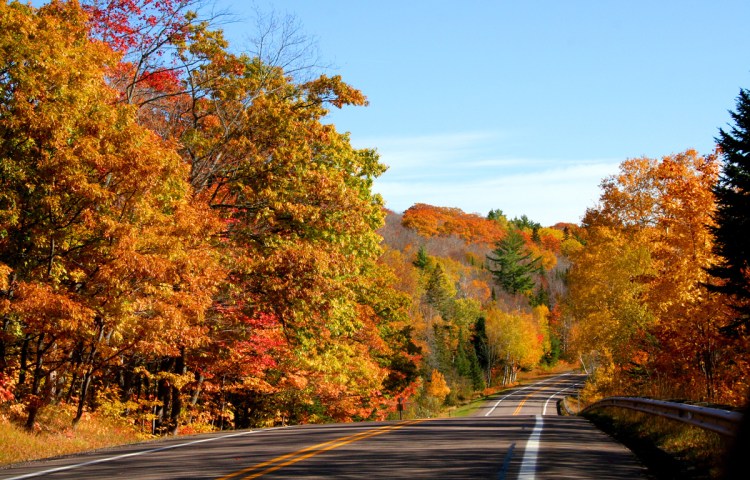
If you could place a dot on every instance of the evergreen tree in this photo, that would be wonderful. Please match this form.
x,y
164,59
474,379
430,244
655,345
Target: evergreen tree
x,y
513,264
732,229
535,235
467,363
439,292
496,215
422,259
479,339
541,297
525,222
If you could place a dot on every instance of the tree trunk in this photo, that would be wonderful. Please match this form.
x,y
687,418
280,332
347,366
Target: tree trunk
x,y
174,417
82,399
197,391
3,360
24,360
163,394
35,401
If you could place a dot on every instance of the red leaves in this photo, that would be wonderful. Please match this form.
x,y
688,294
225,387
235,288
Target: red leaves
x,y
161,81
6,395
129,24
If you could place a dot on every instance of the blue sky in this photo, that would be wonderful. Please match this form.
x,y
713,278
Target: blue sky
x,y
524,105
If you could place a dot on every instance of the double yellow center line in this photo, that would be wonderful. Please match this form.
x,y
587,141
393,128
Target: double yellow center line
x,y
533,392
282,461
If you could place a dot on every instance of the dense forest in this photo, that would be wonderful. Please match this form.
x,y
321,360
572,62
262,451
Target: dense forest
x,y
185,243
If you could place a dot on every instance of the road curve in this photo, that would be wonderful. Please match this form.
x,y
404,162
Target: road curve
x,y
560,446
537,398
494,445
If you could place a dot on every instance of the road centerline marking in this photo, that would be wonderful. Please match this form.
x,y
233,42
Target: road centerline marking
x,y
544,410
516,391
521,404
291,458
528,463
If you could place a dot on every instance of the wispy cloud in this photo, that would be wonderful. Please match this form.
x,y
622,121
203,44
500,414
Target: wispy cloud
x,y
464,170
445,150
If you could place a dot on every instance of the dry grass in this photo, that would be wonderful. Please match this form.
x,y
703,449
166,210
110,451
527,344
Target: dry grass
x,y
54,435
671,450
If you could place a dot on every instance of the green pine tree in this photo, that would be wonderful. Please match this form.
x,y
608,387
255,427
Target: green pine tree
x,y
440,292
513,264
732,229
422,259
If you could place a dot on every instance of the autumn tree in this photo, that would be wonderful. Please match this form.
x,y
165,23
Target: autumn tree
x,y
637,289
431,221
513,341
185,238
100,242
605,297
295,200
147,34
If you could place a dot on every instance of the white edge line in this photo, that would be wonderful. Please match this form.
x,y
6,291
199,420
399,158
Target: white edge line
x,y
134,454
544,410
522,389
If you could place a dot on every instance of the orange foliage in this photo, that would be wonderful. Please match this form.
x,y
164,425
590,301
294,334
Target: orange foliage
x,y
430,221
649,242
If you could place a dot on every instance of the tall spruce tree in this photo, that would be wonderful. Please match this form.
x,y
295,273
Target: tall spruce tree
x,y
512,264
732,229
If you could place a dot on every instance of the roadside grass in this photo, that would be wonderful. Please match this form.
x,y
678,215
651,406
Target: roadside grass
x,y
669,449
467,409
54,435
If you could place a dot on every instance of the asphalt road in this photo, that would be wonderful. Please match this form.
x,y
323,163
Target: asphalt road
x,y
538,398
512,436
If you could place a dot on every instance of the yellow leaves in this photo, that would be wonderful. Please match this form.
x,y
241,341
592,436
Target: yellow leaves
x,y
637,287
549,259
517,337
570,247
131,257
334,91
256,384
5,272
437,386
606,290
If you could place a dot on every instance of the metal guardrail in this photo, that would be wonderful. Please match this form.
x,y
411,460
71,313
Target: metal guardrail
x,y
723,422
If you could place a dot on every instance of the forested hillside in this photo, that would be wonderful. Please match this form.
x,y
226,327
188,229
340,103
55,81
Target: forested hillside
x,y
188,245
485,297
